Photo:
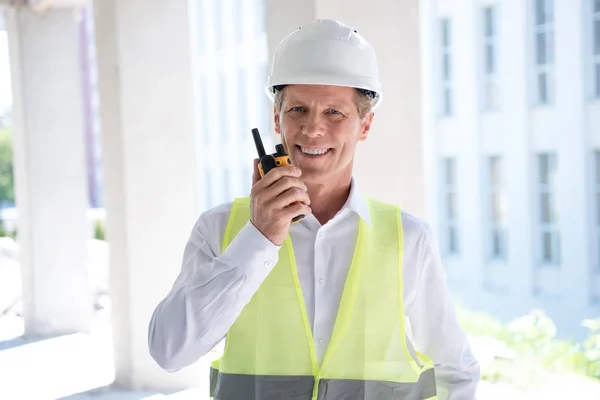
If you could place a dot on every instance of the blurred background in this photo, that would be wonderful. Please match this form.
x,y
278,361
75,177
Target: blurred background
x,y
122,121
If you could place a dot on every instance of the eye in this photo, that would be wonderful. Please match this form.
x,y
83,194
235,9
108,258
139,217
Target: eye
x,y
297,109
334,112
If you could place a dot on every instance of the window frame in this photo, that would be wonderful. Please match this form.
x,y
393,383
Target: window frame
x,y
496,193
446,89
490,79
551,227
548,67
595,56
450,223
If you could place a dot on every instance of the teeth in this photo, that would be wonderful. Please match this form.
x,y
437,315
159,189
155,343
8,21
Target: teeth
x,y
314,151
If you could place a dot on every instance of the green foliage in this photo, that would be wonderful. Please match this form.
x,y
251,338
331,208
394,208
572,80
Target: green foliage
x,y
99,231
6,166
529,347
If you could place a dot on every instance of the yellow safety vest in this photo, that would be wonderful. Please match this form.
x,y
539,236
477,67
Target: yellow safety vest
x,y
270,352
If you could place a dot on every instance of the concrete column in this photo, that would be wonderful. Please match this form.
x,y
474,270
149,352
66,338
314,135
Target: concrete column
x,y
50,171
389,164
149,150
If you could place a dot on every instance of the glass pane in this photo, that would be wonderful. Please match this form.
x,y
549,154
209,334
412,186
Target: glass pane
x,y
597,165
488,17
598,209
597,92
556,248
549,11
549,47
546,208
447,101
204,111
540,43
452,240
596,5
450,173
451,206
496,246
540,12
495,170
228,185
260,16
247,176
447,66
445,32
208,187
223,114
597,37
218,21
498,207
242,111
489,58
542,88
544,166
491,95
239,19
547,253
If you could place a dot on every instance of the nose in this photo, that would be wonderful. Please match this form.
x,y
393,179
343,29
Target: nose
x,y
313,126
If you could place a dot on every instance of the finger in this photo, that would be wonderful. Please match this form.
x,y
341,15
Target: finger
x,y
255,173
277,173
291,196
283,184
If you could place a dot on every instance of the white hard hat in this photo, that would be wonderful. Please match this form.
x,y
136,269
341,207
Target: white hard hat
x,y
326,52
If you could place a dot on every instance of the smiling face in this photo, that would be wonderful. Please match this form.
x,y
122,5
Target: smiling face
x,y
320,127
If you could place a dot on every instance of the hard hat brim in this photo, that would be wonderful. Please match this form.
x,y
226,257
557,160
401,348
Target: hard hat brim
x,y
356,83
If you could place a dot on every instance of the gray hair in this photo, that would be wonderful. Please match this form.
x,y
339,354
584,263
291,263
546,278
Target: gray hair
x,y
363,100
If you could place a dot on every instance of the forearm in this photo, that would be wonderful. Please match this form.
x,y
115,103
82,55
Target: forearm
x,y
207,298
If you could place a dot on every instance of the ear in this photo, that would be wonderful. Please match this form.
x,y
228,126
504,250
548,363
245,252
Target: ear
x,y
276,120
365,127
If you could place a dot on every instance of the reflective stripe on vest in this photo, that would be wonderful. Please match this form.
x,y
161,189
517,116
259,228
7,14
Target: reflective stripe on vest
x,y
270,350
250,387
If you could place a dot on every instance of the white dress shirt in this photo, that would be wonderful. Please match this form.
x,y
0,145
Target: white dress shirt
x,y
212,289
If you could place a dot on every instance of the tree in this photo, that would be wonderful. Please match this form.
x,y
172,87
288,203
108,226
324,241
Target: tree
x,y
6,166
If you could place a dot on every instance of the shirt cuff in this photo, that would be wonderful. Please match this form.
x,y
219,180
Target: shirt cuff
x,y
252,253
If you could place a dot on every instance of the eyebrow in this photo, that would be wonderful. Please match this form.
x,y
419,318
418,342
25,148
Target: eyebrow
x,y
300,102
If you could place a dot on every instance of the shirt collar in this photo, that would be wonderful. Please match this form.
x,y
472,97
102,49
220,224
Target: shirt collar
x,y
356,202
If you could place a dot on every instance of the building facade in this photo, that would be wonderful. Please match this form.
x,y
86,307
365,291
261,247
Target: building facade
x,y
511,115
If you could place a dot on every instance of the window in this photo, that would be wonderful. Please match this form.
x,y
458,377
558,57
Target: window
x,y
450,207
596,47
497,237
490,62
597,201
544,51
446,68
549,235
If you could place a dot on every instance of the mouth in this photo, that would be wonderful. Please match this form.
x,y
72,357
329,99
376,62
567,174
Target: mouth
x,y
313,152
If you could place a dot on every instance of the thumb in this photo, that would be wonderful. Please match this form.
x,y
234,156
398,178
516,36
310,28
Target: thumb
x,y
255,173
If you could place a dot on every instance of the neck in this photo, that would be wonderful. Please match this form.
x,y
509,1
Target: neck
x,y
326,199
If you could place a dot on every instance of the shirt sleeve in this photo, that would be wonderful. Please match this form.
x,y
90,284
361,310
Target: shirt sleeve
x,y
436,330
209,294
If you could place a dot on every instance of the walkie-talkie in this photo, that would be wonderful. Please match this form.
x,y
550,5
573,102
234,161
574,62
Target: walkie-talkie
x,y
267,162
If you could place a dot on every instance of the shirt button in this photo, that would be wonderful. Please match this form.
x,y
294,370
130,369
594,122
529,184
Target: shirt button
x,y
268,264
321,342
322,282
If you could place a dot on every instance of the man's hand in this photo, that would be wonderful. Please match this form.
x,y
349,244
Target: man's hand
x,y
272,201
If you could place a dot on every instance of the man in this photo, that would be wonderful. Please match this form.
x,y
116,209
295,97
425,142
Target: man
x,y
348,303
